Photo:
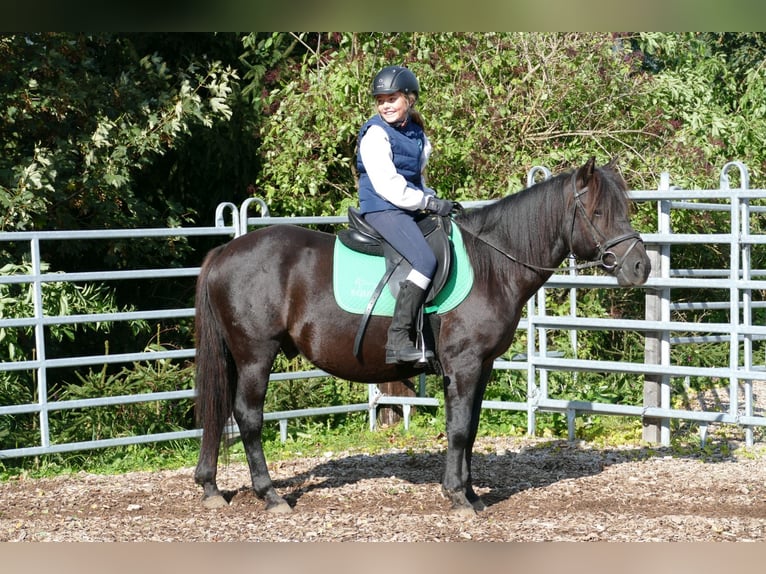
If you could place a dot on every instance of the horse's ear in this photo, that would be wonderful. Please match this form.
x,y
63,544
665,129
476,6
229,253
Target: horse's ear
x,y
586,171
612,163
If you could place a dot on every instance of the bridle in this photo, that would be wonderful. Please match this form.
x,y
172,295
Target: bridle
x,y
606,259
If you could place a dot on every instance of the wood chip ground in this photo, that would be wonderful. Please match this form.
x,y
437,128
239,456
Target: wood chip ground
x,y
535,490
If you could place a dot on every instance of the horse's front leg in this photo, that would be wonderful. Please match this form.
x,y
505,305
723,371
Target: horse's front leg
x,y
248,412
456,484
478,397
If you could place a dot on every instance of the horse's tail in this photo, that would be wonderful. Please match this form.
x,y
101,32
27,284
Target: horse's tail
x,y
215,378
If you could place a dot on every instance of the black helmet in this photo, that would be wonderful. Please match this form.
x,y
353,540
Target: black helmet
x,y
395,79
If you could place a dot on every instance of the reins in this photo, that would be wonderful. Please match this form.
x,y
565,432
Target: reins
x,y
604,253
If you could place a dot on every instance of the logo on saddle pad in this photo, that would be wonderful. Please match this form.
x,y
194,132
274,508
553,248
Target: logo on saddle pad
x,y
356,277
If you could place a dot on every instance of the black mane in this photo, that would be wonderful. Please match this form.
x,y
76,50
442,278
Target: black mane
x,y
525,223
529,223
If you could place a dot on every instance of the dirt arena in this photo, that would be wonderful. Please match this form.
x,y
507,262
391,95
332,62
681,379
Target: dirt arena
x,y
535,490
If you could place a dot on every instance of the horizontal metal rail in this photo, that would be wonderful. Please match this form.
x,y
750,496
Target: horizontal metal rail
x,y
738,280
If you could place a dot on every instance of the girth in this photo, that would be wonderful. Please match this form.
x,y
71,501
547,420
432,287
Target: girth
x,y
361,236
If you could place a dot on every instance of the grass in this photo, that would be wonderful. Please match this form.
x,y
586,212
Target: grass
x,y
114,460
351,435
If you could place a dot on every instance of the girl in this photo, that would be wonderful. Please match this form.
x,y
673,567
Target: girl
x,y
393,152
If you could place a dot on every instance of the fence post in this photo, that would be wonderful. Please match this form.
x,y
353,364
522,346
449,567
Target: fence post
x,y
657,305
389,415
40,351
739,269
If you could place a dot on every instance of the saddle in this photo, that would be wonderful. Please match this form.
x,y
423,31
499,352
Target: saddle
x,y
361,236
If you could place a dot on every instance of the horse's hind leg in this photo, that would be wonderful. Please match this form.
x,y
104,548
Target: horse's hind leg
x,y
248,412
205,473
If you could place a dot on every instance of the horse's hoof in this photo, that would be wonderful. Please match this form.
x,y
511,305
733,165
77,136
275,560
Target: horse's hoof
x,y
279,508
464,511
213,502
463,503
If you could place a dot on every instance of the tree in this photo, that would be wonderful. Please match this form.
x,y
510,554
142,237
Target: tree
x,y
88,122
495,105
711,88
82,114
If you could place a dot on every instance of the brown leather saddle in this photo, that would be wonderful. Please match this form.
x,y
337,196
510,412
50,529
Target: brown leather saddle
x,y
361,236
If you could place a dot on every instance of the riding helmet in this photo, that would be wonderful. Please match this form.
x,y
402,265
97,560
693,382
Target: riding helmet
x,y
395,79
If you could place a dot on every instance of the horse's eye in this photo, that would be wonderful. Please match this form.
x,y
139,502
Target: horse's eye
x,y
598,213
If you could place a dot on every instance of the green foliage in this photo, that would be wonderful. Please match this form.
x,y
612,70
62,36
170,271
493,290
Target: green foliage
x,y
494,104
59,299
309,133
96,423
82,114
502,103
297,394
711,89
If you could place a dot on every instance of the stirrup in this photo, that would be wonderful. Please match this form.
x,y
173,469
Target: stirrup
x,y
408,355
426,354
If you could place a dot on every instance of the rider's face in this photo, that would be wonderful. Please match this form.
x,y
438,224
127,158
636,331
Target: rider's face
x,y
392,108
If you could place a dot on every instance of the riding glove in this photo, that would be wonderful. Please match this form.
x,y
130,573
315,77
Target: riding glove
x,y
439,206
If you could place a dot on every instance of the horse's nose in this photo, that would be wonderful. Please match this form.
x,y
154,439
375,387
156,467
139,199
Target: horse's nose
x,y
643,268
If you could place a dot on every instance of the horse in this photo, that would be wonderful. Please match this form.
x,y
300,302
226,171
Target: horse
x,y
270,290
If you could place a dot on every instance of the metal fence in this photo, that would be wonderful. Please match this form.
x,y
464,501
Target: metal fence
x,y
739,280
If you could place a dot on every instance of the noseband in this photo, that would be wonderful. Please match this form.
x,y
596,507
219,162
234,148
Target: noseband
x,y
606,258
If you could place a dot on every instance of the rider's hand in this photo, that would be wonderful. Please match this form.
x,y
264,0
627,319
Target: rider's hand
x,y
439,206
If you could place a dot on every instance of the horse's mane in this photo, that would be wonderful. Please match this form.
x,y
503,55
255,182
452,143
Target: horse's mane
x,y
515,220
528,221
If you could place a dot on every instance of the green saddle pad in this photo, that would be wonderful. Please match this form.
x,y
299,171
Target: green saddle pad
x,y
355,276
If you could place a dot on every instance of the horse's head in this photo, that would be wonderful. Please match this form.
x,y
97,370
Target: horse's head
x,y
599,229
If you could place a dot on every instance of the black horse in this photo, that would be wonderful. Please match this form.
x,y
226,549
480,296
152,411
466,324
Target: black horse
x,y
271,290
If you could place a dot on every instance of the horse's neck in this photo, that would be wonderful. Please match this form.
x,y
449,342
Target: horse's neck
x,y
545,247
539,235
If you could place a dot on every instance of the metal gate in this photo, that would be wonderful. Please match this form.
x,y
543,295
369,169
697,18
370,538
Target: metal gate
x,y
744,285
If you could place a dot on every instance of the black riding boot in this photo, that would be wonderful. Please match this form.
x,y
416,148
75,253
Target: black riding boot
x,y
399,348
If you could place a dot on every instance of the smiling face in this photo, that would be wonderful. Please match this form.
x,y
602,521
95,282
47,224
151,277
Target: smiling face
x,y
393,108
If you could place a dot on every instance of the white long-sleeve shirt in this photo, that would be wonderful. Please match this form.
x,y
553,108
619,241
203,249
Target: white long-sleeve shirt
x,y
375,152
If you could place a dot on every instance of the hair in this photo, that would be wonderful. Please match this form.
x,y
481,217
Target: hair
x,y
415,115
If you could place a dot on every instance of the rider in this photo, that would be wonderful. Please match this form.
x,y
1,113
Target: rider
x,y
393,152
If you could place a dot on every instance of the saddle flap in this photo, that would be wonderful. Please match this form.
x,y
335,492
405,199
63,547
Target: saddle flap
x,y
360,241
